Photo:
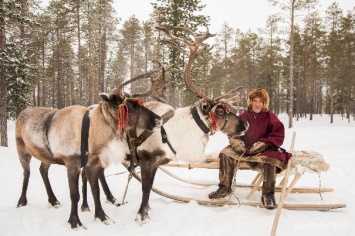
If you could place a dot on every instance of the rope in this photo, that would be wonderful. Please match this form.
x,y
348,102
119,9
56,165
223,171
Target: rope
x,y
319,187
234,184
119,173
125,191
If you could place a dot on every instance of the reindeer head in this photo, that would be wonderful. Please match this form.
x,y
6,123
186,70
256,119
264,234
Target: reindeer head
x,y
221,116
128,112
218,112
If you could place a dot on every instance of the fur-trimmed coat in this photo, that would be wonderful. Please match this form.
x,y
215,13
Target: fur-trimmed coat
x,y
265,127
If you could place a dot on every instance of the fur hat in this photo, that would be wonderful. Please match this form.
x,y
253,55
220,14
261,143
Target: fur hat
x,y
261,93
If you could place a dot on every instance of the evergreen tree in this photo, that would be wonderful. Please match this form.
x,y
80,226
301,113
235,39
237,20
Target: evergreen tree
x,y
291,7
170,14
14,60
334,55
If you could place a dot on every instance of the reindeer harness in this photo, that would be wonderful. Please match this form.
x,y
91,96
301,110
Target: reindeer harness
x,y
211,118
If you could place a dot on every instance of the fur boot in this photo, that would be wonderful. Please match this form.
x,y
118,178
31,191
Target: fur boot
x,y
226,172
268,189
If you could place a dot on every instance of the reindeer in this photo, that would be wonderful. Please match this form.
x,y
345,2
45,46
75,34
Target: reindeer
x,y
56,137
185,135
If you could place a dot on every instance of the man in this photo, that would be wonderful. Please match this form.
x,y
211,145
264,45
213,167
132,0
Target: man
x,y
259,148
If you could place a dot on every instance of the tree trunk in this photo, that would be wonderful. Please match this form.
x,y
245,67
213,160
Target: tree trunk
x,y
290,108
3,81
80,78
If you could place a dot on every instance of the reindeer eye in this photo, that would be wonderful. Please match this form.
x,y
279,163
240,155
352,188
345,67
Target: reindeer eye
x,y
220,111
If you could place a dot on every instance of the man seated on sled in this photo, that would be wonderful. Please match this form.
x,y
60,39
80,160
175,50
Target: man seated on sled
x,y
259,148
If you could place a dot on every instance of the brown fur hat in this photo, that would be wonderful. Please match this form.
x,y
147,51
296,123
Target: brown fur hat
x,y
261,93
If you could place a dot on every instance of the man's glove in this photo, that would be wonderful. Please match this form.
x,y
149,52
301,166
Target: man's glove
x,y
258,147
237,145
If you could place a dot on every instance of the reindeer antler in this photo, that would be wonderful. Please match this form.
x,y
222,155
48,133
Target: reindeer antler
x,y
237,95
158,82
194,53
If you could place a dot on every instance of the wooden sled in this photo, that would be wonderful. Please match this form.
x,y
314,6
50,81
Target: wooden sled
x,y
222,202
255,185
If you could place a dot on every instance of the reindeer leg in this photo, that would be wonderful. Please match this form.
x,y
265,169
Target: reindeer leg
x,y
84,190
25,159
110,198
73,179
148,174
92,172
149,167
44,173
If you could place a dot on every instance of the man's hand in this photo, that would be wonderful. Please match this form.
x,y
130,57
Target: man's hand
x,y
258,147
237,145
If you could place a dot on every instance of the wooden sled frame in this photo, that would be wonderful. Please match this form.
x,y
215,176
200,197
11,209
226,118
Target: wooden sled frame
x,y
255,185
222,202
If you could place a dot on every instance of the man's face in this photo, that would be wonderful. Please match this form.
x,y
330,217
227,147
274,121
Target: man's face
x,y
257,104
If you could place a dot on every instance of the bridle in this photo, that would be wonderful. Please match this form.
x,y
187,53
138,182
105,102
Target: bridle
x,y
211,117
122,111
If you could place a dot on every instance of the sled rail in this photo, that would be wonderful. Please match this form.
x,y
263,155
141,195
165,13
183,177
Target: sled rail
x,y
293,206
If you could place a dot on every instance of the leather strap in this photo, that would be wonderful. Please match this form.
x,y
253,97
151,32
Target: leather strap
x,y
84,145
165,139
198,120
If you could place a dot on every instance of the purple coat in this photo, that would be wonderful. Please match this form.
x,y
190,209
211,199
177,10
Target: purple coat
x,y
265,127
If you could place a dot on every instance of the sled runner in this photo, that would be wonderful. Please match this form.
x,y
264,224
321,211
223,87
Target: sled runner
x,y
222,202
254,185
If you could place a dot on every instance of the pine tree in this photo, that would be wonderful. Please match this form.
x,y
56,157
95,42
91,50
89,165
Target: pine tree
x,y
170,14
291,7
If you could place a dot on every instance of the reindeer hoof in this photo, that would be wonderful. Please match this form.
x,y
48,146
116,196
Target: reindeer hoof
x,y
75,223
56,205
78,228
111,200
107,221
22,202
141,220
85,208
104,219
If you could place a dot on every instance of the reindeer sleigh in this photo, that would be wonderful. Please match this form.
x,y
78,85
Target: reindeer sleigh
x,y
133,140
302,161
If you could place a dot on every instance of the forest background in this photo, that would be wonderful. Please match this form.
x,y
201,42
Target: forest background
x,y
67,52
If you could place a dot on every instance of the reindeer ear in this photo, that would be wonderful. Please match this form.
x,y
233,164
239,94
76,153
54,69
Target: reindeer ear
x,y
105,96
206,106
111,98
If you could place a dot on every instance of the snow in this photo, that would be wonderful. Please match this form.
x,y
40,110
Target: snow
x,y
168,217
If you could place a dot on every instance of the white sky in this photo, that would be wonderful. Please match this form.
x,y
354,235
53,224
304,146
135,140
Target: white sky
x,y
250,14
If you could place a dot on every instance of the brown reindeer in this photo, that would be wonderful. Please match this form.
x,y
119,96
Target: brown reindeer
x,y
185,135
54,137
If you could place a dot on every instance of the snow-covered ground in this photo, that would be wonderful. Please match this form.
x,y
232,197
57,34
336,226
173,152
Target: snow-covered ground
x,y
168,217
